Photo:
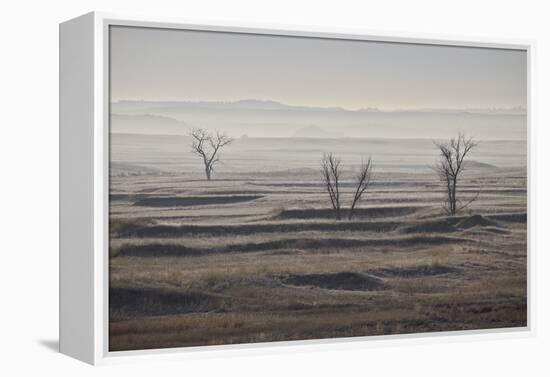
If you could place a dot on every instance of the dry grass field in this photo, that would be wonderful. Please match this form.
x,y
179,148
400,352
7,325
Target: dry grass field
x,y
255,254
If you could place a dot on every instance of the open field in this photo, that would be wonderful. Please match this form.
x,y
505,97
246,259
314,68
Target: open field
x,y
255,255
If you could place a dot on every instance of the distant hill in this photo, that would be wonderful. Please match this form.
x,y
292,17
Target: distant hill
x,y
478,165
264,118
250,104
147,124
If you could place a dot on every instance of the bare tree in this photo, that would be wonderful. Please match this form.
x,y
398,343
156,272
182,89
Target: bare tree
x,y
450,167
207,146
330,169
363,179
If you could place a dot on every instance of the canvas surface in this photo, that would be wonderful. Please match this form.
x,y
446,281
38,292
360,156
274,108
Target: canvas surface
x,y
267,188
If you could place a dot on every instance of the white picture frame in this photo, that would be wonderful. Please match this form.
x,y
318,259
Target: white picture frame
x,y
84,179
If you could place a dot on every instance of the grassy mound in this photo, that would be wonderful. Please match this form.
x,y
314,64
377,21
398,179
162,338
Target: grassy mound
x,y
351,281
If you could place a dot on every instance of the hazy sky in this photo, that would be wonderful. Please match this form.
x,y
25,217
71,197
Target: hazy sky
x,y
163,64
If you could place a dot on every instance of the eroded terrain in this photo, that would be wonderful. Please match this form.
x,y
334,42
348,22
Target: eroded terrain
x,y
255,255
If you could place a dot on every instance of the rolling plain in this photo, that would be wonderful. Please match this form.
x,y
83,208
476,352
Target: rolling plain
x,y
255,254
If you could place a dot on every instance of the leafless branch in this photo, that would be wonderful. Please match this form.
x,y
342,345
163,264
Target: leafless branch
x,y
363,179
207,146
450,167
330,170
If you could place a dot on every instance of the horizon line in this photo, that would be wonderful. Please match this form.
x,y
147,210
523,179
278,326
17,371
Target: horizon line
x,y
518,108
317,138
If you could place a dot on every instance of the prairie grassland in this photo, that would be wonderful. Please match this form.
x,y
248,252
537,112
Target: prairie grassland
x,y
255,254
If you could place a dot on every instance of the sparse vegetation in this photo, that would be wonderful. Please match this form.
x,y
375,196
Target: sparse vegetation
x,y
256,256
450,168
363,179
330,169
331,172
207,146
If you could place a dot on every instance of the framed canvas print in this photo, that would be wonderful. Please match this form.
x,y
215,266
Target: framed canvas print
x,y
225,187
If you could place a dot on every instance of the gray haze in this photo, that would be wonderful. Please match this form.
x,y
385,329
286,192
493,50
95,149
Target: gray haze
x,y
169,81
163,64
273,119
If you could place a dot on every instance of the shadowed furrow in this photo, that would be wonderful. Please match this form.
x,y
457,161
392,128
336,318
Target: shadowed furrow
x,y
328,213
161,249
245,229
194,200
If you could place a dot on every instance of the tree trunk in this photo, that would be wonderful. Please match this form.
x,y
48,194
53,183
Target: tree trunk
x,y
208,173
350,215
453,197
